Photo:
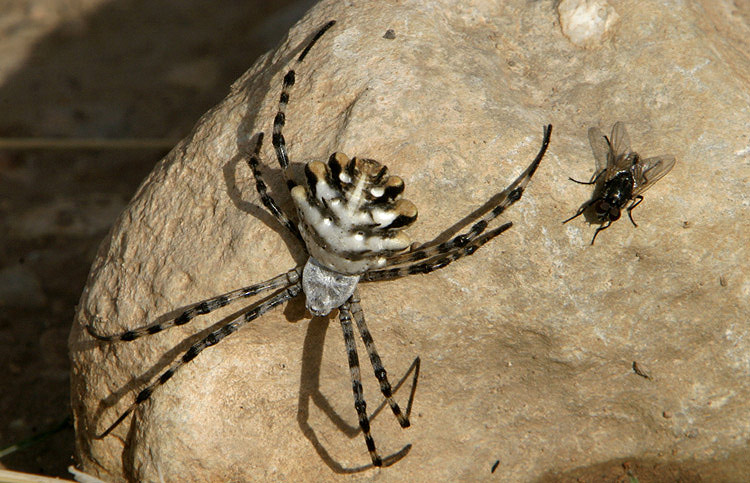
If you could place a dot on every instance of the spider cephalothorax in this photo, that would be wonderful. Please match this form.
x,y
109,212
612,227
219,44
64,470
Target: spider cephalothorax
x,y
351,222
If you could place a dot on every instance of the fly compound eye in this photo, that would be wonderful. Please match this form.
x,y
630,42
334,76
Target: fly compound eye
x,y
614,213
601,208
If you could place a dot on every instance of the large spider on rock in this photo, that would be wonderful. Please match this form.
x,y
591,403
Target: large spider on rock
x,y
351,221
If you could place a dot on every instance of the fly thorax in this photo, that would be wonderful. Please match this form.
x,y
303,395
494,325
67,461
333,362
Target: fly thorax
x,y
618,190
352,214
325,289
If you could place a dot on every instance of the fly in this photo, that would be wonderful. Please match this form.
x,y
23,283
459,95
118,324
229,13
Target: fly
x,y
621,176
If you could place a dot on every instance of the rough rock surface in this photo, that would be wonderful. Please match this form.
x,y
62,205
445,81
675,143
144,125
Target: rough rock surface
x,y
528,346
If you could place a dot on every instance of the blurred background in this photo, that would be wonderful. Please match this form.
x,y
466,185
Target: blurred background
x,y
95,70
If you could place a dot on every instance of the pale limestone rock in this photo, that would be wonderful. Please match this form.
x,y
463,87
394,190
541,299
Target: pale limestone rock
x,y
586,22
527,347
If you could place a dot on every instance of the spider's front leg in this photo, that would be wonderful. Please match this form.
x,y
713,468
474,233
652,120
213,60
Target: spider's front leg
x,y
377,365
345,317
353,309
213,338
204,307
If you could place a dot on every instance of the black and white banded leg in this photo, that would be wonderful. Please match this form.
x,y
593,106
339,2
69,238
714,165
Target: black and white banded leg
x,y
345,317
279,143
440,260
266,199
289,278
506,198
377,365
332,271
211,339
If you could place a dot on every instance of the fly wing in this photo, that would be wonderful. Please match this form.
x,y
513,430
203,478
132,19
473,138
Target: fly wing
x,y
601,149
620,139
621,146
649,171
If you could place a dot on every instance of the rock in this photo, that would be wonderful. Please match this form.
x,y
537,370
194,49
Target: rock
x,y
527,346
586,22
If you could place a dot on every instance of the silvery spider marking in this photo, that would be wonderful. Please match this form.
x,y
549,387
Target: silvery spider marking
x,y
351,222
622,176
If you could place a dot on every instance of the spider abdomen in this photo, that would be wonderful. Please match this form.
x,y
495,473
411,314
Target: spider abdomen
x,y
352,214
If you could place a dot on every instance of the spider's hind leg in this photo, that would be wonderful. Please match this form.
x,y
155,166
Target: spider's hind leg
x,y
265,198
436,261
279,143
504,199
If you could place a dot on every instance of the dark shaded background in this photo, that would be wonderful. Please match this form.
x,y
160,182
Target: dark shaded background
x,y
126,69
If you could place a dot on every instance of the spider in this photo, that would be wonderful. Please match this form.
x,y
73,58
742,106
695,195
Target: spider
x,y
351,221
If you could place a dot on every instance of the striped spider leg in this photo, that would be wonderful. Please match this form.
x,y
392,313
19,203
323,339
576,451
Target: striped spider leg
x,y
289,286
351,220
352,309
329,280
433,256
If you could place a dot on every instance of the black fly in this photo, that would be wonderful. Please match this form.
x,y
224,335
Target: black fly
x,y
624,175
